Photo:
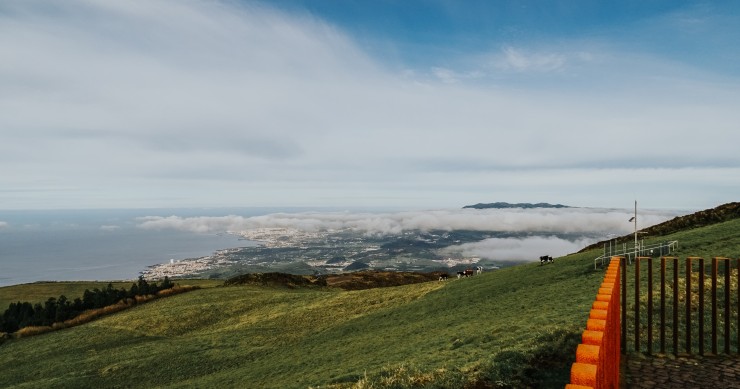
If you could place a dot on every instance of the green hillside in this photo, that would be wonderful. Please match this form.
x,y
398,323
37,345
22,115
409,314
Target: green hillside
x,y
41,291
487,327
515,327
682,225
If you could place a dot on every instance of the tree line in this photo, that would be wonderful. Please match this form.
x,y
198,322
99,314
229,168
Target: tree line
x,y
55,310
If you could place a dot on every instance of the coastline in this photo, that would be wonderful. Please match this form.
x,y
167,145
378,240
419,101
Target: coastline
x,y
189,266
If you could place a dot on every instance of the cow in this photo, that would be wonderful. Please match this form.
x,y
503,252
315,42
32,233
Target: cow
x,y
443,277
545,259
479,270
466,273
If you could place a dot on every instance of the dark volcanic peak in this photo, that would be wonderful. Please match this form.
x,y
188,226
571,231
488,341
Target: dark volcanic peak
x,y
503,205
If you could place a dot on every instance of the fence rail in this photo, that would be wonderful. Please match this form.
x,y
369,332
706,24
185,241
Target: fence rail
x,y
696,310
641,250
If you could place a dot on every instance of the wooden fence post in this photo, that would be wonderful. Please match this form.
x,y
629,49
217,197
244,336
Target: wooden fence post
x,y
728,285
714,305
662,305
688,305
675,305
701,306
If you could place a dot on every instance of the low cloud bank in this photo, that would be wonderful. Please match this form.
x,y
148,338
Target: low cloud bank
x,y
518,249
569,220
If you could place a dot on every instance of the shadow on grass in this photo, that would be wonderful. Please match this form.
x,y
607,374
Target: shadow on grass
x,y
546,366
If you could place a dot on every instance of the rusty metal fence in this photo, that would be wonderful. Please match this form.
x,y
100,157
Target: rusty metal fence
x,y
680,306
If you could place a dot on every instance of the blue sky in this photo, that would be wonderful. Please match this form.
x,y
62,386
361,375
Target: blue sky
x,y
411,104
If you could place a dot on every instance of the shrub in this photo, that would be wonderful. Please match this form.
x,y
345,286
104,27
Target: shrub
x,y
33,330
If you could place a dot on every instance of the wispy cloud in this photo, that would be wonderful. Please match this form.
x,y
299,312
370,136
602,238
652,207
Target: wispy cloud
x,y
3,224
161,103
518,60
449,76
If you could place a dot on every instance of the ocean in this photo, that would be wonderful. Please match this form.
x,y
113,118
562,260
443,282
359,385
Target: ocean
x,y
62,245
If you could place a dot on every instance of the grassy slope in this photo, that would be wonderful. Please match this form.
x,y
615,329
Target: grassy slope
x,y
721,239
279,338
246,336
41,291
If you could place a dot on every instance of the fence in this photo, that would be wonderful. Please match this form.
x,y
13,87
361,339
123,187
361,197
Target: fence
x,y
613,250
697,310
597,357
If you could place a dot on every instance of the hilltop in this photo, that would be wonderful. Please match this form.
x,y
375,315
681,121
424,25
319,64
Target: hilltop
x,y
504,205
707,217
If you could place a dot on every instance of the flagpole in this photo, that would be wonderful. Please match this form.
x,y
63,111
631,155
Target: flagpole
x,y
635,230
633,219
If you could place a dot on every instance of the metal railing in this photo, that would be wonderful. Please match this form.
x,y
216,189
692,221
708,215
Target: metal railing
x,y
630,252
696,313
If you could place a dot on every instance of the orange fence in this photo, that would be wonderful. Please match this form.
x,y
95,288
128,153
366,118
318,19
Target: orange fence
x,y
597,357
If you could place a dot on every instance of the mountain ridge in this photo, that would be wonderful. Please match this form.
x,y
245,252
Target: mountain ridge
x,y
505,205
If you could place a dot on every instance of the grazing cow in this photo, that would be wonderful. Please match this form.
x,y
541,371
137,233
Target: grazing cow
x,y
545,259
443,277
461,274
479,269
469,272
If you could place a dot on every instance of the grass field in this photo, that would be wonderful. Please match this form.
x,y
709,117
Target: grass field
x,y
515,327
717,240
41,291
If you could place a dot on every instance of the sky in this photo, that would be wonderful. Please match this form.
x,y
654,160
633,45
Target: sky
x,y
408,104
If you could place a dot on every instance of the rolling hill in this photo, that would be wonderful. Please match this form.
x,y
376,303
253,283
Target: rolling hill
x,y
707,217
515,327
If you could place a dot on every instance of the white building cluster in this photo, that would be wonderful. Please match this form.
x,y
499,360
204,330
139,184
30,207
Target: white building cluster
x,y
186,267
281,237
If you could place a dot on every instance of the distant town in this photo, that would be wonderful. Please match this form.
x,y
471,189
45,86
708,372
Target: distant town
x,y
329,251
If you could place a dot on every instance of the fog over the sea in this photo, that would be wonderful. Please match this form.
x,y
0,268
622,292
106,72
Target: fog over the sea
x,y
583,225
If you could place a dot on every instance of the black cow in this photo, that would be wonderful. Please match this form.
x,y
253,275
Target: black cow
x,y
545,259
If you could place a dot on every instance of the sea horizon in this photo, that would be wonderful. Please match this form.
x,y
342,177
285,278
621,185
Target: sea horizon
x,y
99,244
107,244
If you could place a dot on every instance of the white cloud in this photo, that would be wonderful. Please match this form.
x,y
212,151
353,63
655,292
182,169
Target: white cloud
x,y
162,103
518,60
3,224
109,227
584,226
519,249
569,220
449,76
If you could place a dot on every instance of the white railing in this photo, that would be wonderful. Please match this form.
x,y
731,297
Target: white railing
x,y
642,250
